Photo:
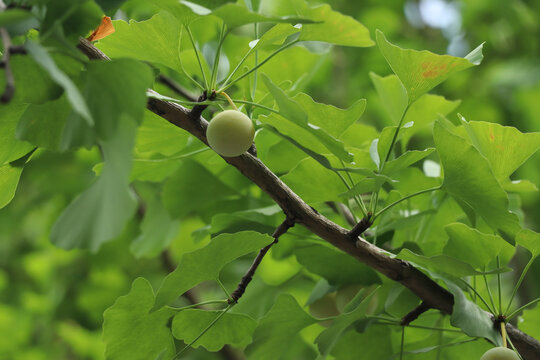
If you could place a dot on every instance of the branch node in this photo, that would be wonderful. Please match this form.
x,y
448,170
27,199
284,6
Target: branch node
x,y
196,112
362,226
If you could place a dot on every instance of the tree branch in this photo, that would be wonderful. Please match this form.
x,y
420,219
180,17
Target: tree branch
x,y
415,313
246,279
294,207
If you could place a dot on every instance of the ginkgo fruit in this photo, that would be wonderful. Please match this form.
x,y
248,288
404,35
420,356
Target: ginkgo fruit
x,y
500,353
230,133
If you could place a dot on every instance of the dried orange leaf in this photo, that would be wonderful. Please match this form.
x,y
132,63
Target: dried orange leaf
x,y
104,29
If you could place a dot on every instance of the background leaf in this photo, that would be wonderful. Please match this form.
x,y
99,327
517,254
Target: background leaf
x,y
278,328
131,332
101,212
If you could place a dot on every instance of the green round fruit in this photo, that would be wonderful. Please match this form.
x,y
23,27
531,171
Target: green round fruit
x,y
230,133
499,353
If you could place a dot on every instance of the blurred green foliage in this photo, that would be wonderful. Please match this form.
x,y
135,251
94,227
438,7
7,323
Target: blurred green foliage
x,y
52,300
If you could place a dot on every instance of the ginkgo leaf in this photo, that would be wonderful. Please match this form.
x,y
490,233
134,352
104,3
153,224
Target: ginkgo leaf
x,y
421,71
505,147
233,329
104,29
278,328
131,331
469,178
206,263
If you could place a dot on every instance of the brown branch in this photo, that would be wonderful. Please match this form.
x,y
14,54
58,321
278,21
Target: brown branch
x,y
362,226
415,313
246,279
9,50
294,207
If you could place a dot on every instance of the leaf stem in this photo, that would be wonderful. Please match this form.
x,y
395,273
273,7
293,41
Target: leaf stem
x,y
517,311
283,47
356,197
215,66
489,293
499,285
182,65
349,188
237,67
197,305
223,312
394,138
198,58
479,296
224,288
405,198
521,277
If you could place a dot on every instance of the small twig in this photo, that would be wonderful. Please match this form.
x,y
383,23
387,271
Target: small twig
x,y
415,313
362,226
9,49
246,279
177,88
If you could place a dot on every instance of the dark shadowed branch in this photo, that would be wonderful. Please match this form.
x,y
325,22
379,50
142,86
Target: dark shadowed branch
x,y
246,279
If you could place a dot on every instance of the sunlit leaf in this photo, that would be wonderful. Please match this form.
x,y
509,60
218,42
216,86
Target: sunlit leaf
x,y
505,147
421,71
470,245
334,27
293,112
406,160
332,119
469,178
156,40
393,95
